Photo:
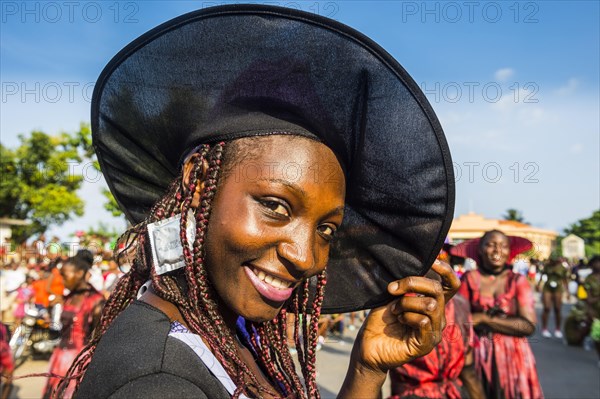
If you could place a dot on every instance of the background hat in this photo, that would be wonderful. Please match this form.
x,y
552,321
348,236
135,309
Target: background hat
x,y
244,70
470,249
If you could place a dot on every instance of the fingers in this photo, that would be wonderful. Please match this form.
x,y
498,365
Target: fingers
x,y
416,285
420,311
423,305
422,301
416,321
428,327
450,281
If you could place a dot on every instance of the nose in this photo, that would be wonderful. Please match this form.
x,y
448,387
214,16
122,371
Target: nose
x,y
299,250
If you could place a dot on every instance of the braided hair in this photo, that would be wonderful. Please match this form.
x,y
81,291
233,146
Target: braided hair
x,y
195,297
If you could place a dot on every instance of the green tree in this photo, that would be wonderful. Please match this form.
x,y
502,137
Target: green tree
x,y
589,230
38,183
103,231
514,214
84,137
111,203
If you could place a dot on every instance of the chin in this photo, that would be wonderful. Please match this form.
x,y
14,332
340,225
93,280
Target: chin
x,y
259,312
262,317
259,319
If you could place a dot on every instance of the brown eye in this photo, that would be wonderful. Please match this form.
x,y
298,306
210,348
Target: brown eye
x,y
327,231
276,207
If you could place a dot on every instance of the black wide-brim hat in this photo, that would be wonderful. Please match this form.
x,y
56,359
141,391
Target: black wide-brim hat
x,y
244,70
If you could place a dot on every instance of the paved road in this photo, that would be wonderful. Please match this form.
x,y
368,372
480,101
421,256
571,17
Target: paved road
x,y
565,372
30,388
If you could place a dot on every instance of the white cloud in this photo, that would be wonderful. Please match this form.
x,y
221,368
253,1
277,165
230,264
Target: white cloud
x,y
504,74
511,99
569,88
534,145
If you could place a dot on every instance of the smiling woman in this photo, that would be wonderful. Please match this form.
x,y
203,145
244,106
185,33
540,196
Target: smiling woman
x,y
503,314
270,233
253,174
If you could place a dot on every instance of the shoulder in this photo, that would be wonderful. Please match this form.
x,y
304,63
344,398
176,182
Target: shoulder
x,y
130,348
137,348
160,385
155,385
470,278
518,279
470,274
466,284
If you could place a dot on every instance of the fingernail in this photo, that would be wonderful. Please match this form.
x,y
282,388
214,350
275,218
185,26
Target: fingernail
x,y
393,286
437,262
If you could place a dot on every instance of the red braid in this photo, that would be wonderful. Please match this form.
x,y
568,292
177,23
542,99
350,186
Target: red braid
x,y
196,300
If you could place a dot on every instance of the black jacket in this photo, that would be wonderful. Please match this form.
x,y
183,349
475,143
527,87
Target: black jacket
x,y
136,358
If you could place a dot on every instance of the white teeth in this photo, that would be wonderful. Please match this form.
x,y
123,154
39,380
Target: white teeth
x,y
274,281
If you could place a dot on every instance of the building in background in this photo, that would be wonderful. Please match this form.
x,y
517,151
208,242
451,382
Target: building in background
x,y
472,225
573,247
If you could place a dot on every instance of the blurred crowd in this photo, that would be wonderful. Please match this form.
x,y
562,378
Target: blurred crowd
x,y
59,298
39,283
50,303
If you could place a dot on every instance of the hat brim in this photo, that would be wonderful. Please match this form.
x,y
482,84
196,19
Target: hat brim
x,y
244,70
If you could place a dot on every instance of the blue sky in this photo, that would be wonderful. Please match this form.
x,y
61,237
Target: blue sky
x,y
515,85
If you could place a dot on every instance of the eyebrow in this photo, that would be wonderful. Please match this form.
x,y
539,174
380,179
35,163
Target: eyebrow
x,y
336,211
286,183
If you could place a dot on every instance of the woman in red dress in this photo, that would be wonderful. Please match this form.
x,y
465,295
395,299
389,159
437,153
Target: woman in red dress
x,y
81,313
502,305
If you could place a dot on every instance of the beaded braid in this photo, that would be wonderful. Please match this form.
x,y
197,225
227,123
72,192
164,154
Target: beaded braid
x,y
313,390
197,306
305,333
219,337
273,335
127,286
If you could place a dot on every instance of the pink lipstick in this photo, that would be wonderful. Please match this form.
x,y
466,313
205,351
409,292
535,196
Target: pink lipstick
x,y
267,290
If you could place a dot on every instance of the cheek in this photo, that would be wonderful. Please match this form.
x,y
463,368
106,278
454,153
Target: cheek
x,y
322,257
236,230
246,233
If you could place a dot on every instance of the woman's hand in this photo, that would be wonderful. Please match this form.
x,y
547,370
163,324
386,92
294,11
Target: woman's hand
x,y
407,328
410,326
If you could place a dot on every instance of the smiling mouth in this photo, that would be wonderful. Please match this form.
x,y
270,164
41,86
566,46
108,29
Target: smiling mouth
x,y
271,280
496,258
269,286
